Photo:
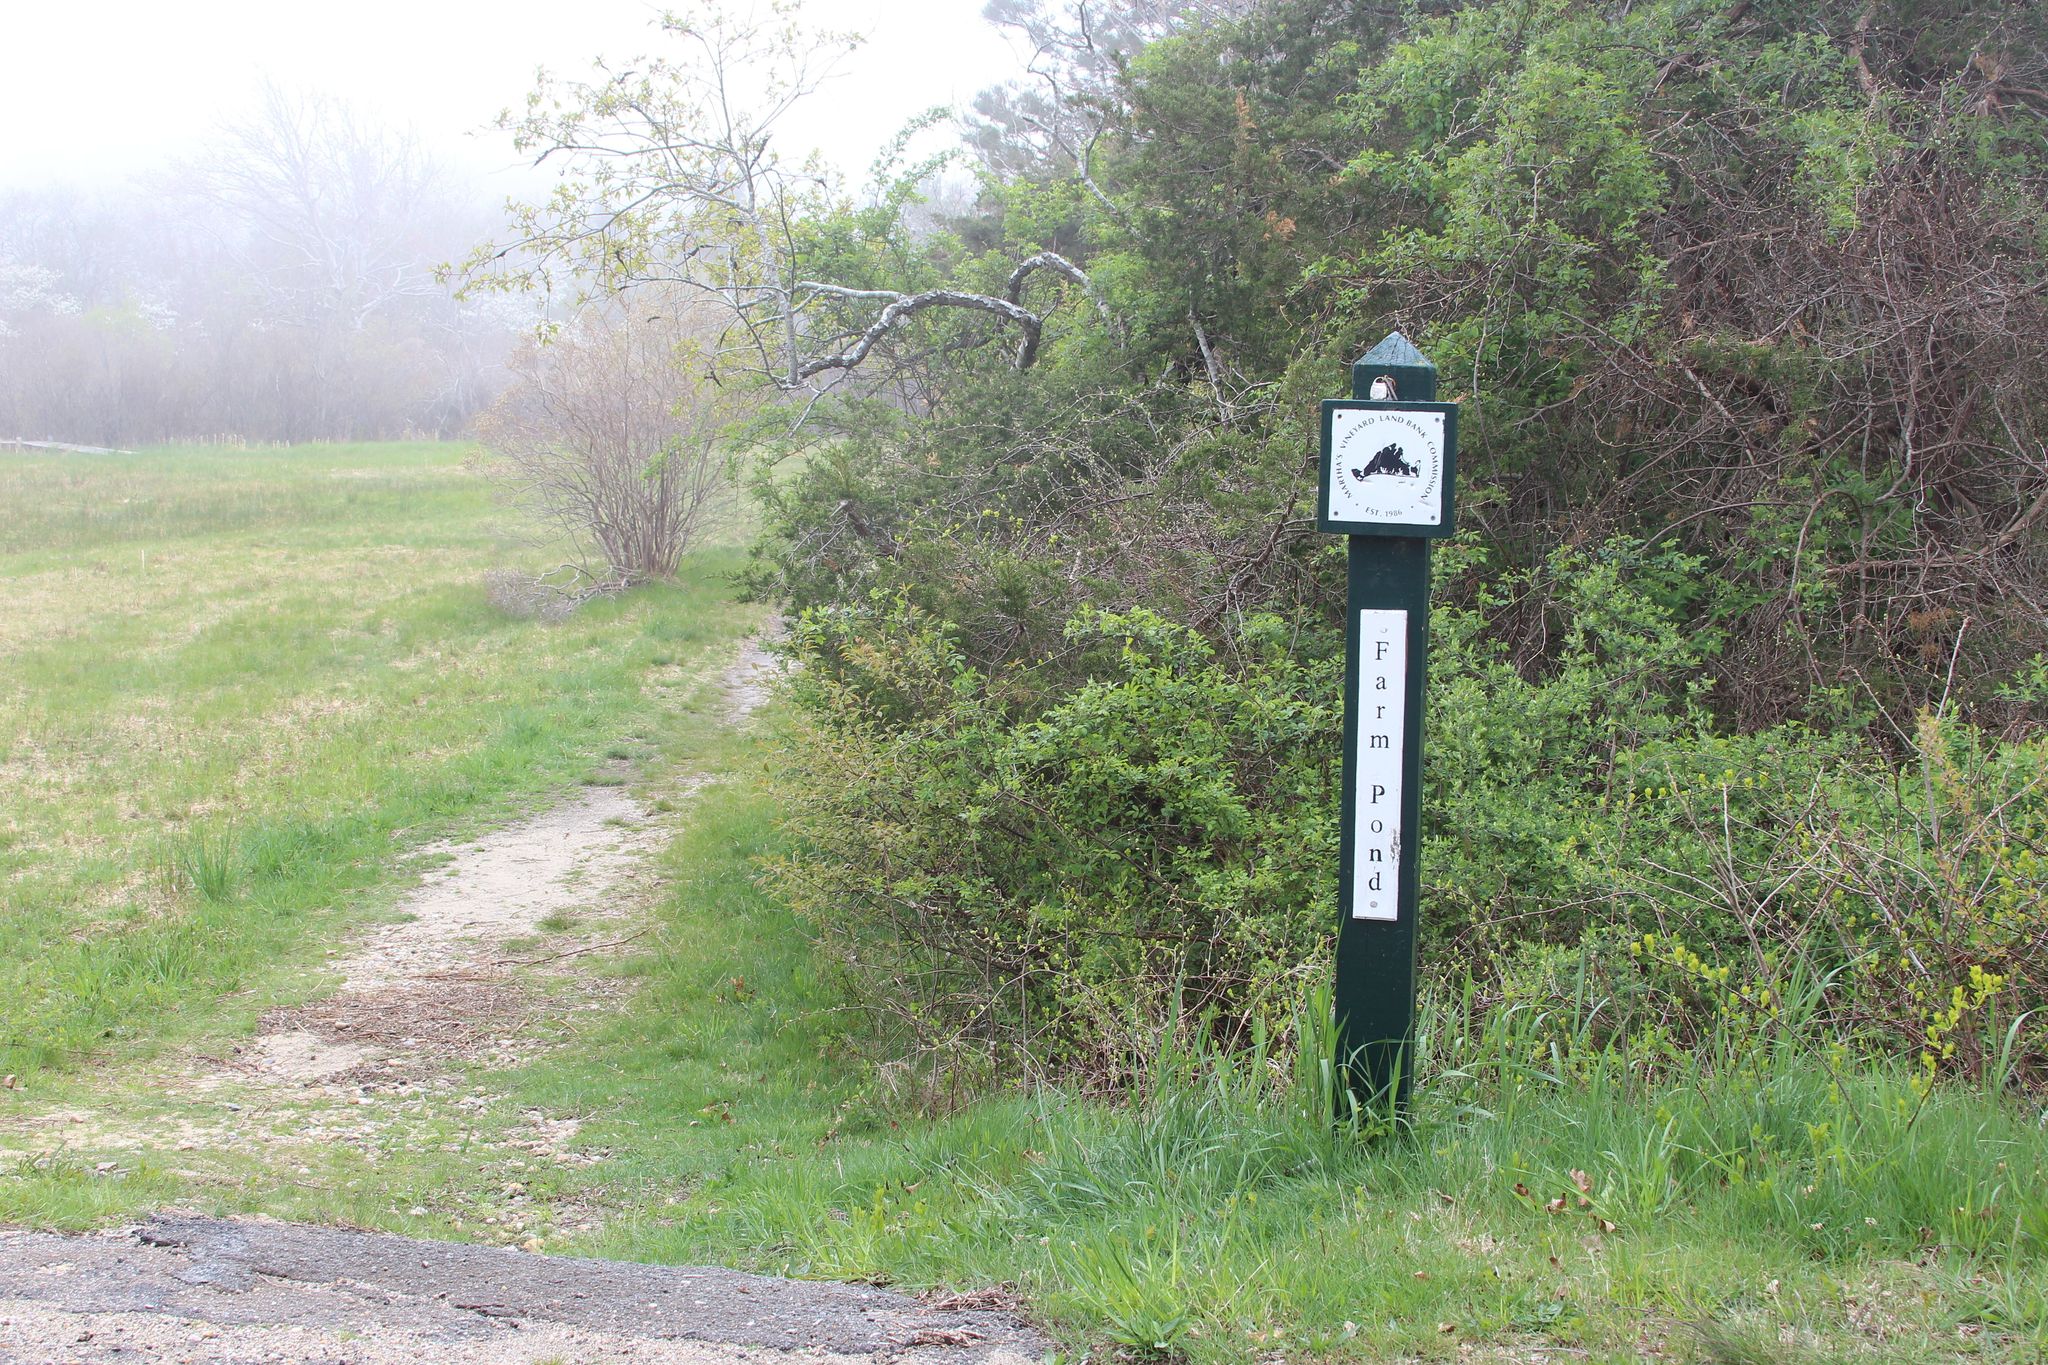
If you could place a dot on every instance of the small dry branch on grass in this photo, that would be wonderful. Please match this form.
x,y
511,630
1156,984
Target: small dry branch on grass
x,y
549,596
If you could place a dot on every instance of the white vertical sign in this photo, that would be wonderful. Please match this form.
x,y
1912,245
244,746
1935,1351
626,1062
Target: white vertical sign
x,y
1382,721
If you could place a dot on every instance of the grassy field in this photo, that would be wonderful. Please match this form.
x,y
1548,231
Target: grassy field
x,y
235,686
238,690
1768,1213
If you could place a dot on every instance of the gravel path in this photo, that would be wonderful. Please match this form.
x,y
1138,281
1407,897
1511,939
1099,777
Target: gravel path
x,y
187,1288
182,1288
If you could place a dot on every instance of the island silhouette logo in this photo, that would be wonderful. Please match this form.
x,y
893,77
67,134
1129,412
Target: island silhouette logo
x,y
1390,459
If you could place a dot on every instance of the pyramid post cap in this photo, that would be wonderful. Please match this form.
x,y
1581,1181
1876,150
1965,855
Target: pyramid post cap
x,y
1396,350
1411,374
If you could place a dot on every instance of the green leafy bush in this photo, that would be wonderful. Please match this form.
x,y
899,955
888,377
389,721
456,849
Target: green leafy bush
x,y
1911,898
1066,763
1154,842
1053,866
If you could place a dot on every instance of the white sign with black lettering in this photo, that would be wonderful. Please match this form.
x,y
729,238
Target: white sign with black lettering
x,y
1382,719
1386,466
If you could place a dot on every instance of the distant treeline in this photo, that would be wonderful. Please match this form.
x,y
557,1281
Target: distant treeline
x,y
279,287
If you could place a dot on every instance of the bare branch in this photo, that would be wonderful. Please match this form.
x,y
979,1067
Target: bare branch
x,y
906,306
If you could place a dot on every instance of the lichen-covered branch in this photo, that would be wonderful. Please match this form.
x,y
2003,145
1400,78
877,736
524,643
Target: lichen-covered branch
x,y
902,307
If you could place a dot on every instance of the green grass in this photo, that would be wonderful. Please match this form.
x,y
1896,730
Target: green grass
x,y
236,686
226,730
1744,1206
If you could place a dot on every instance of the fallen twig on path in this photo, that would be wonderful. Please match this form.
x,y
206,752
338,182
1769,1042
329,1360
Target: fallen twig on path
x,y
571,952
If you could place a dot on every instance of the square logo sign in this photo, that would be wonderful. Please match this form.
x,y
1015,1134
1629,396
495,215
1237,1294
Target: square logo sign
x,y
1387,467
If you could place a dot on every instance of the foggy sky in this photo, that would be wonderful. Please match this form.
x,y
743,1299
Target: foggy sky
x,y
102,92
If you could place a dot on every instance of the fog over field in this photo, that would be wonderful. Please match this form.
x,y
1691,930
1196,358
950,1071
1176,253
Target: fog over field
x,y
1266,682
237,233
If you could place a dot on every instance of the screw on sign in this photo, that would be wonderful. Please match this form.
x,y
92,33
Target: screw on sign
x,y
1389,466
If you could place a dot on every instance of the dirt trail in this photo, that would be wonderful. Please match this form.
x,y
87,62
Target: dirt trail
x,y
436,982
442,985
748,681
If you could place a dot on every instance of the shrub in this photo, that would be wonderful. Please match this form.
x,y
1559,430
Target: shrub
x,y
1055,862
1912,896
1058,866
1522,759
1054,886
613,436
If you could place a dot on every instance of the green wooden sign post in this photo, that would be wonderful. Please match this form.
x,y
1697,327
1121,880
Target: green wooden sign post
x,y
1389,465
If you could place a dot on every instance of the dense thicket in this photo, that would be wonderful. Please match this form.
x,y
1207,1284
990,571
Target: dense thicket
x,y
1743,301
